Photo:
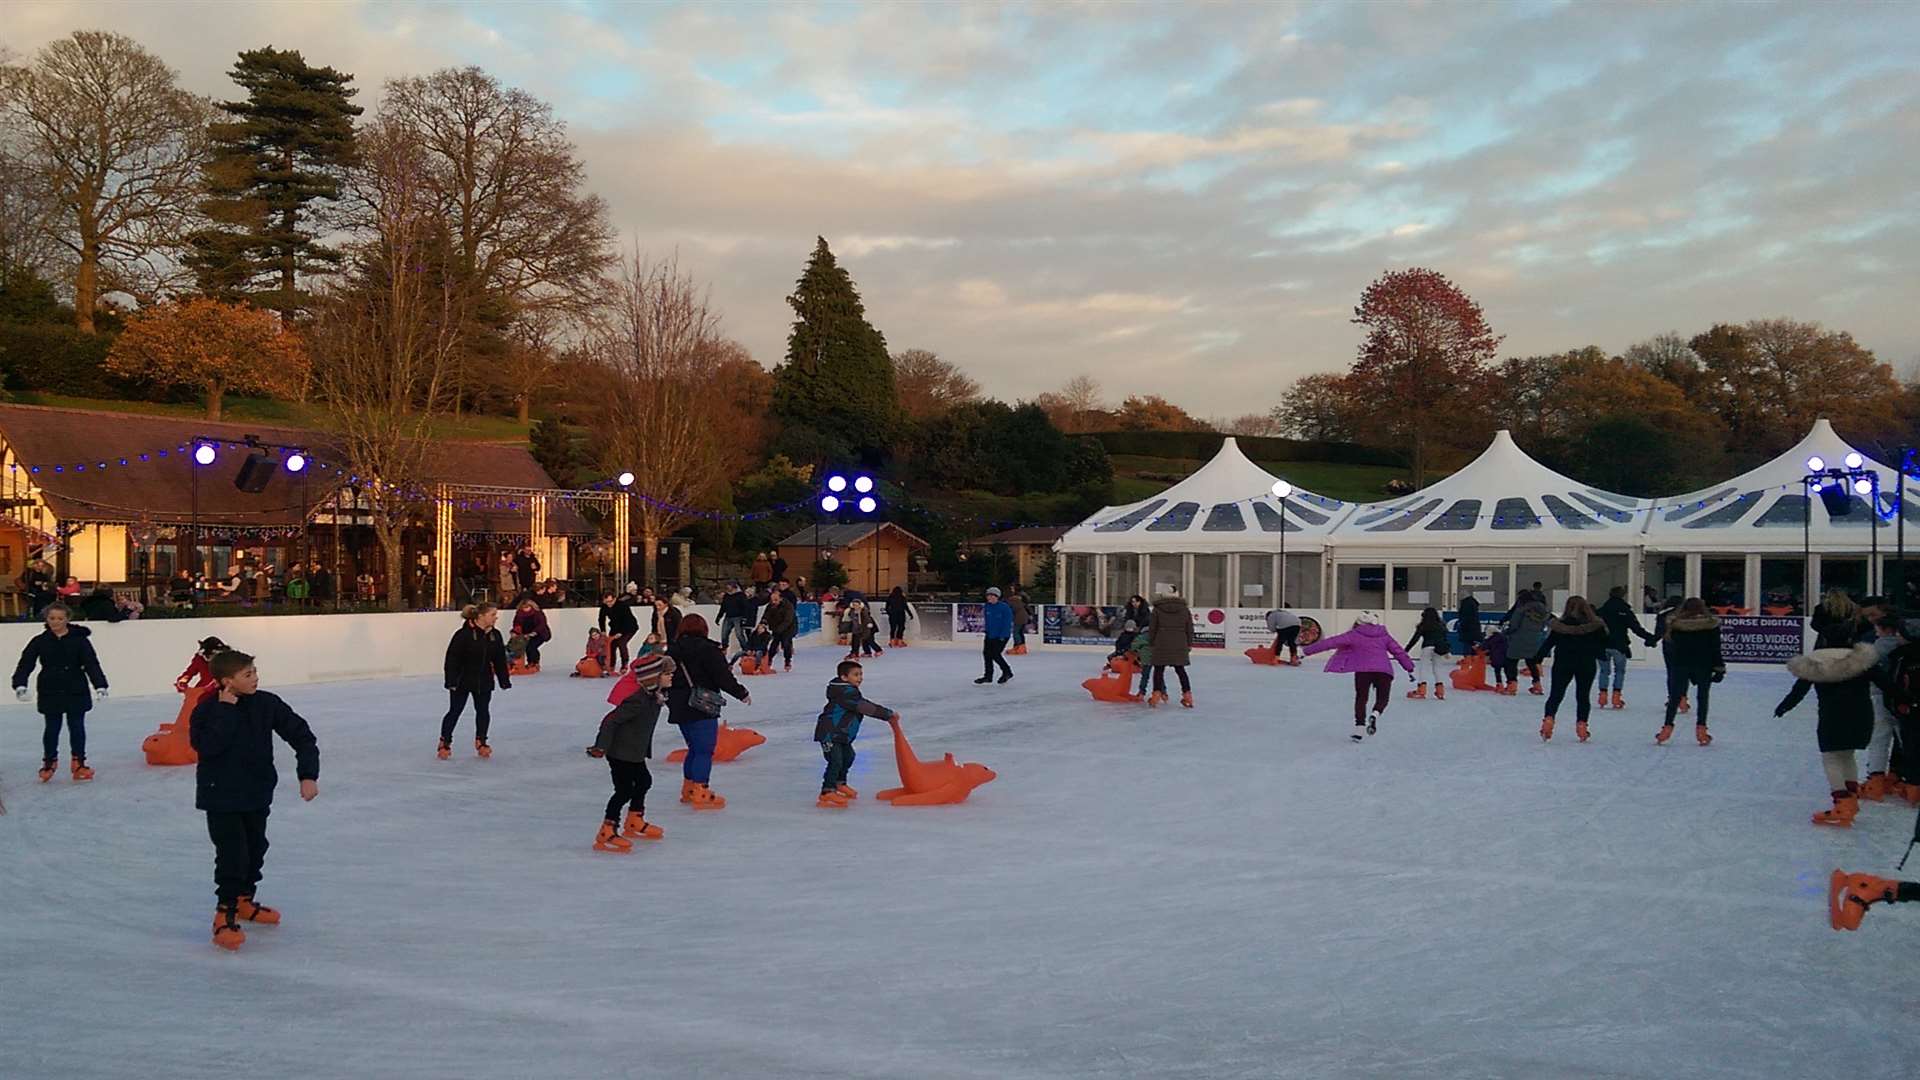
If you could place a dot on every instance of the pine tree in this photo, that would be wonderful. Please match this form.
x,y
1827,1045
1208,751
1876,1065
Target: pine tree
x,y
285,149
838,377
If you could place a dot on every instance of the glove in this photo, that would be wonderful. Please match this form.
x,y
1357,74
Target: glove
x,y
20,692
101,694
595,752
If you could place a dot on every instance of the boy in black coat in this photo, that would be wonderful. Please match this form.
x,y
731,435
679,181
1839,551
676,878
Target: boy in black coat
x,y
838,726
233,731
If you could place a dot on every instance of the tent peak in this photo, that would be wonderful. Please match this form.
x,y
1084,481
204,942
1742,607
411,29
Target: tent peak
x,y
1823,427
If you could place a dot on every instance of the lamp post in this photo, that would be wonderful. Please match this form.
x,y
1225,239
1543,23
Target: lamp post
x,y
1282,489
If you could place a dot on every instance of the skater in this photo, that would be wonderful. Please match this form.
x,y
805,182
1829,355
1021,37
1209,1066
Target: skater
x,y
861,631
1621,623
666,620
1881,781
476,659
1285,626
1838,619
1526,636
526,569
1430,637
617,622
1123,642
782,624
838,726
898,612
1840,671
1576,639
1137,609
1369,652
736,614
232,731
1143,659
1017,603
68,665
1170,632
594,661
200,669
700,675
1691,647
626,741
1468,625
759,645
1850,895
999,626
1505,671
530,623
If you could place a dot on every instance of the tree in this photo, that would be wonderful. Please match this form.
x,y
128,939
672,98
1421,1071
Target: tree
x,y
925,385
560,454
384,348
1424,361
837,377
1669,357
1256,424
1323,407
272,166
661,343
1770,379
1151,412
118,146
740,394
210,345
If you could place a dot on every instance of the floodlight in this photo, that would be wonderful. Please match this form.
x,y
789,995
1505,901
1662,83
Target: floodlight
x,y
626,479
863,484
296,462
204,453
836,483
1863,486
830,503
1816,463
867,505
1854,460
1282,489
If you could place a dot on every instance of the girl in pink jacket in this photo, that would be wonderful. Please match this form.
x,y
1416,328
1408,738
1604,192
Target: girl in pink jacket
x,y
1369,652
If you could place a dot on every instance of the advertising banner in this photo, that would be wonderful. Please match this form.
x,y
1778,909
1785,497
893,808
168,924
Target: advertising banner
x,y
808,615
1079,624
971,619
1236,629
1761,639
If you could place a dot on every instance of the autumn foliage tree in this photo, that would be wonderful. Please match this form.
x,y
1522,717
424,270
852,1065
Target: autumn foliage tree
x,y
1151,412
1768,380
925,386
211,346
1424,359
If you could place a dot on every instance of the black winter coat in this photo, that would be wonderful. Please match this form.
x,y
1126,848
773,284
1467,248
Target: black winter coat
x,y
235,744
626,733
1468,625
1842,681
897,609
1576,645
780,619
667,625
617,618
67,665
1622,622
1424,637
1693,643
476,659
736,606
698,662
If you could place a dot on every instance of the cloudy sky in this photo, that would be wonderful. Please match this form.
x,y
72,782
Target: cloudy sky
x,y
1187,199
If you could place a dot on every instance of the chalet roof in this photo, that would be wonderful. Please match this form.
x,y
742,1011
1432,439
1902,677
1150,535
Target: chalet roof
x,y
1029,534
841,536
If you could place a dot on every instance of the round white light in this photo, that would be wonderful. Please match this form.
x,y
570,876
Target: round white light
x,y
1863,486
1816,463
863,484
836,483
204,453
626,479
829,503
1854,460
867,505
296,462
1282,489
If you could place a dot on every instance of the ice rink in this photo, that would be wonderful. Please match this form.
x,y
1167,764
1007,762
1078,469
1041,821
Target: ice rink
x,y
1233,891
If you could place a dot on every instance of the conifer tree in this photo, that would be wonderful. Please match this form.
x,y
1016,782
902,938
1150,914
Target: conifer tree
x,y
279,158
838,378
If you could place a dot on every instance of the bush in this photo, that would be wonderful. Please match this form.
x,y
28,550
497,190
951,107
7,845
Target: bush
x,y
55,359
1201,445
828,574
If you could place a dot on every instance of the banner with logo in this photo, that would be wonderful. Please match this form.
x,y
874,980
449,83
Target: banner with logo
x,y
1079,624
807,614
971,619
1761,639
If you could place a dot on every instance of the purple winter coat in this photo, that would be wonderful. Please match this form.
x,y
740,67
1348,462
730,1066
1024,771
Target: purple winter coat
x,y
1364,648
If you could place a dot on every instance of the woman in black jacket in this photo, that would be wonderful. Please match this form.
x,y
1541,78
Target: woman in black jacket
x,y
666,620
898,612
476,658
1621,622
699,665
1576,639
1468,625
1690,643
1842,673
618,623
67,665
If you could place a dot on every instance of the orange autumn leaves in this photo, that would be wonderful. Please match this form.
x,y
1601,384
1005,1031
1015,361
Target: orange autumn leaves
x,y
211,346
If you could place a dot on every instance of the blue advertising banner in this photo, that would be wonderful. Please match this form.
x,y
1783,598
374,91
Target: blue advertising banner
x,y
1080,624
808,615
971,618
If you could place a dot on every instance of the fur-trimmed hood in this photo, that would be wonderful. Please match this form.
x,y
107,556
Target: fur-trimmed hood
x,y
1834,665
1692,623
1591,626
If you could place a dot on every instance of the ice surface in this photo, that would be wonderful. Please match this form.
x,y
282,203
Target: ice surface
x,y
1234,891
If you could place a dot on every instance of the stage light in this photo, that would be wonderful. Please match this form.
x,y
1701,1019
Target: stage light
x,y
1816,463
1282,489
1854,460
1863,486
204,453
296,462
867,505
863,484
836,483
626,479
830,503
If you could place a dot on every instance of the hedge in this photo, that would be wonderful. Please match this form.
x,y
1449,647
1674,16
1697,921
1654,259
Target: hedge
x,y
55,359
1201,445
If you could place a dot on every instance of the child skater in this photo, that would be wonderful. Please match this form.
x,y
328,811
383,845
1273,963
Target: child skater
x,y
1841,672
232,731
626,741
1369,652
1504,670
200,669
1123,644
476,658
838,726
67,665
1430,637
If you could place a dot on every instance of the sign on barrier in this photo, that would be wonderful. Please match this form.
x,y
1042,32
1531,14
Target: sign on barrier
x,y
807,613
1079,624
1761,639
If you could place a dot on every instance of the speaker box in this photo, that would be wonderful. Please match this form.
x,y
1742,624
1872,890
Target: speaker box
x,y
256,471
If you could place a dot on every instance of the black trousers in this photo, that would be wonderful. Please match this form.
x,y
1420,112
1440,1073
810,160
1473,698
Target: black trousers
x,y
617,658
994,647
239,851
76,735
533,648
457,704
1582,680
839,757
1678,679
896,628
1160,678
780,643
1288,639
631,782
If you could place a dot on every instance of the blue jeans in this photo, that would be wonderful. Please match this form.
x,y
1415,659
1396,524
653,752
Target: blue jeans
x,y
1615,661
700,736
76,735
728,626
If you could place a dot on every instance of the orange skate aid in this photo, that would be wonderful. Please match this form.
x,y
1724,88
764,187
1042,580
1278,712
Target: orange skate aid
x,y
1264,655
1471,672
172,744
730,743
931,783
